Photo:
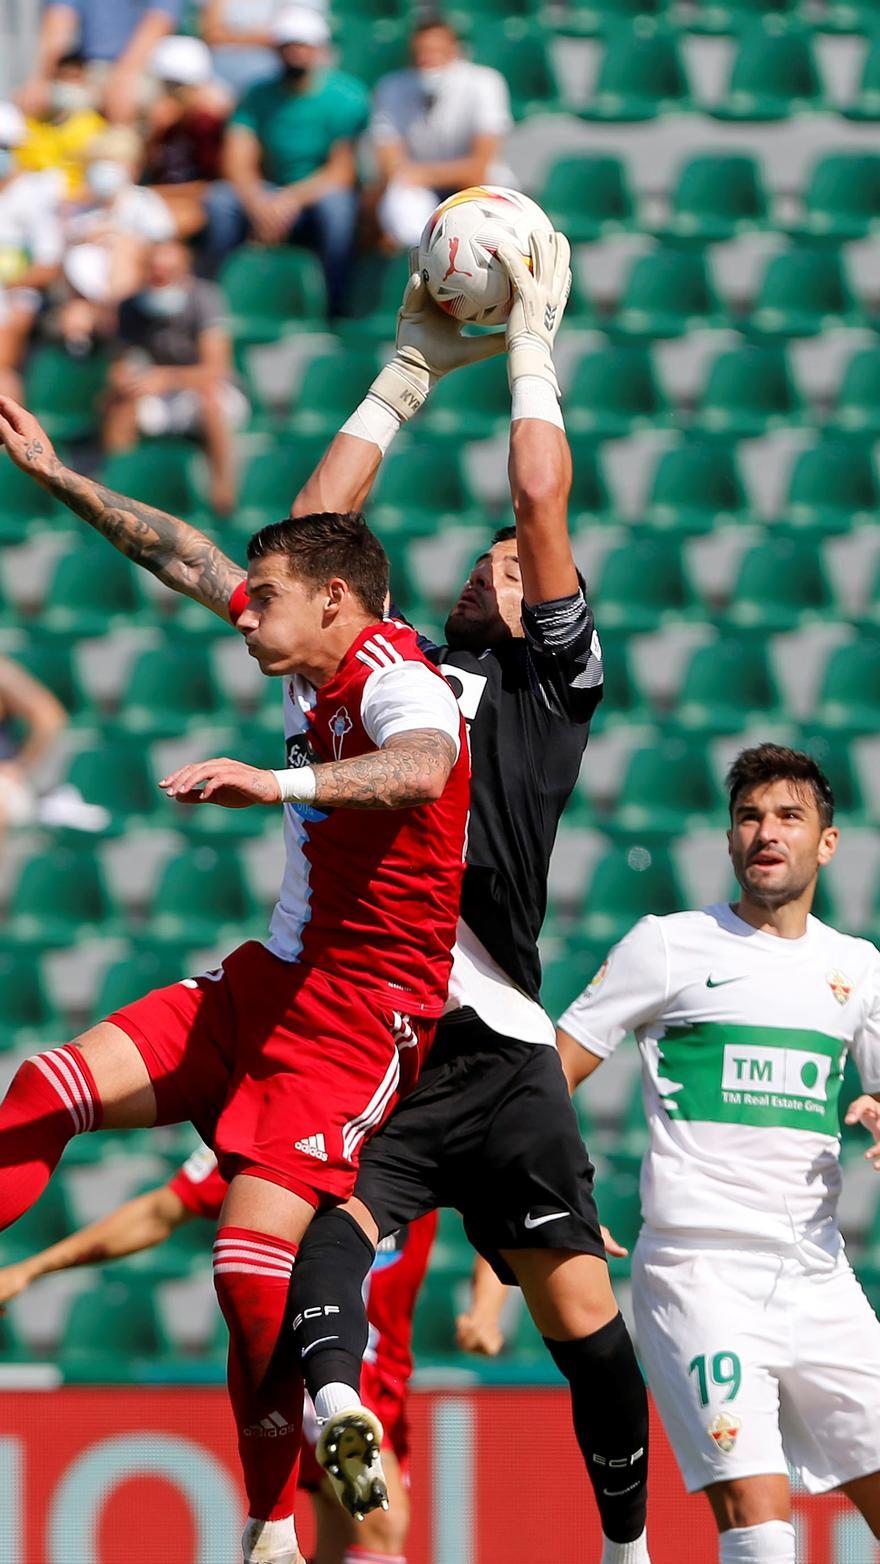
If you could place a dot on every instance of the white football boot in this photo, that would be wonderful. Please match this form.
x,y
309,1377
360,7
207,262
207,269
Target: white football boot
x,y
349,1452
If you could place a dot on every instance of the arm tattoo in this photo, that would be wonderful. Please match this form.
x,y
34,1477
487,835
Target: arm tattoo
x,y
411,769
181,556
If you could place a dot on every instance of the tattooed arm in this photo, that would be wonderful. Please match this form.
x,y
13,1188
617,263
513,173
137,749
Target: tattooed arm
x,y
410,769
181,556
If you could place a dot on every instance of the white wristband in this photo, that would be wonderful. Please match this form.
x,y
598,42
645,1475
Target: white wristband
x,y
532,397
297,787
374,421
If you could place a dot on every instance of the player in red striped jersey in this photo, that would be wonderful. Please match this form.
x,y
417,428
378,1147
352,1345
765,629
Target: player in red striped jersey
x,y
198,1190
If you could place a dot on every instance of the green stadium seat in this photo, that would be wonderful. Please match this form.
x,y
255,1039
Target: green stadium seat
x,y
850,692
377,288
451,1252
119,779
420,487
352,12
589,501
170,687
159,472
833,755
727,686
782,584
856,410
623,701
527,67
749,392
566,975
64,393
591,17
369,50
331,387
842,198
136,974
616,393
717,197
203,897
668,292
93,590
46,1223
12,1348
696,488
617,1198
774,75
27,1016
626,884
515,16
271,481
866,103
185,1252
588,197
803,292
473,405
273,292
727,16
643,584
441,1298
111,1330
641,75
668,788
833,488
50,659
62,899
25,507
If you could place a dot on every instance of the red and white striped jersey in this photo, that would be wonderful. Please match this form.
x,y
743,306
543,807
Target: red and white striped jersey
x,y
373,896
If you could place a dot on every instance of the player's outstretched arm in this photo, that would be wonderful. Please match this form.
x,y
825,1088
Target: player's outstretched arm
x,y
539,464
178,554
429,345
141,1223
411,768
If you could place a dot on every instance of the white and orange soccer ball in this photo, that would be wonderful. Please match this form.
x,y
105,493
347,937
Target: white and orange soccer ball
x,y
457,250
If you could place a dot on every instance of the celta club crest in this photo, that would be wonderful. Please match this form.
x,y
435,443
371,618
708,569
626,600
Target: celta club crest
x,y
839,984
340,724
724,1431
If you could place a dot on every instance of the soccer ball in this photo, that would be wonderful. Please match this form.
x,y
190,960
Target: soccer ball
x,y
457,250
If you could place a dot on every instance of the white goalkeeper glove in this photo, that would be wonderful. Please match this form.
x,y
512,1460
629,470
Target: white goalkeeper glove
x,y
429,345
539,300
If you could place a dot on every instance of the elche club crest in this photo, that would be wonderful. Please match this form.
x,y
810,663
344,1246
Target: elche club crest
x,y
724,1431
839,984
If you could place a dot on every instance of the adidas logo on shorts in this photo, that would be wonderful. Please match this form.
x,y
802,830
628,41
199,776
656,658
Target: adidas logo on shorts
x,y
313,1146
271,1427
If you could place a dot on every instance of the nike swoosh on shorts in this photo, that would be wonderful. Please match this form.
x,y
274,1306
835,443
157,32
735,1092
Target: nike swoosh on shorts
x,y
538,1221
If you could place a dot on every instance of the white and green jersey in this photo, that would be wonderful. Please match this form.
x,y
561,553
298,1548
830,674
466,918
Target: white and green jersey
x,y
743,1038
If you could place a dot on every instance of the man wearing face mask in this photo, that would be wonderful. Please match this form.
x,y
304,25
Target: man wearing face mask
x,y
174,373
185,129
31,244
60,137
436,128
290,159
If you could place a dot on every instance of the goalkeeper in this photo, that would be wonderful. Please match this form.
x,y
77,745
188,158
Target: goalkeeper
x,y
489,1129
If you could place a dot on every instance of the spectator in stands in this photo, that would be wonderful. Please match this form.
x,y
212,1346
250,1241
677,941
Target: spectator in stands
x,y
31,721
116,39
239,35
436,128
290,157
60,138
173,374
110,232
185,129
31,245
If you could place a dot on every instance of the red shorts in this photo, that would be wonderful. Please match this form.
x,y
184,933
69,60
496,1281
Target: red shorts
x,y
385,1395
284,1070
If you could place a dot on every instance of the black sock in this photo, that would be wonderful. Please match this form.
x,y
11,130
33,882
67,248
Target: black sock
x,y
610,1411
326,1301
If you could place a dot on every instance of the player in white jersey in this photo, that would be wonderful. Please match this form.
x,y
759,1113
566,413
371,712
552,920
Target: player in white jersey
x,y
759,1344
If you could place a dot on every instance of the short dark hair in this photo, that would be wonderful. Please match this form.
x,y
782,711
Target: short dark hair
x,y
426,19
327,544
504,535
768,763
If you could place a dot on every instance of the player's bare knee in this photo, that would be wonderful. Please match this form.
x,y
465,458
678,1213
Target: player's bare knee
x,y
749,1501
122,1079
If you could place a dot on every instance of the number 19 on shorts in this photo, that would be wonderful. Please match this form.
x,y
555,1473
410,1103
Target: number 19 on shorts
x,y
723,1370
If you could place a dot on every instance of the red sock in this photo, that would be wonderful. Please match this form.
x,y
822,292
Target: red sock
x,y
51,1098
252,1278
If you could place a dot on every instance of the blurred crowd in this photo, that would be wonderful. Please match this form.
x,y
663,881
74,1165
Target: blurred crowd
x,y
138,156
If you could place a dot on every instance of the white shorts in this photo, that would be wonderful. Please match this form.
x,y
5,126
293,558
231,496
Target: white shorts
x,y
758,1360
180,412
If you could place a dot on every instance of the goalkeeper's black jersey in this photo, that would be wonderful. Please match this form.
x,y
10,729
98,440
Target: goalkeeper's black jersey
x,y
528,704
